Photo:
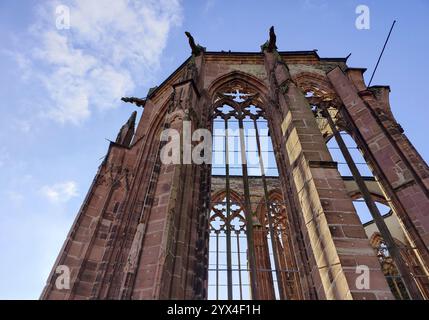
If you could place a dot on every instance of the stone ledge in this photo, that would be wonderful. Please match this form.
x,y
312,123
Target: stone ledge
x,y
323,164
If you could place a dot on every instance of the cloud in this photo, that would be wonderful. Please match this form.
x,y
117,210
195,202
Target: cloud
x,y
22,61
60,192
101,57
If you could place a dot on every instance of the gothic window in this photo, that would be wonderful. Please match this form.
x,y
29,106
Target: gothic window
x,y
389,269
276,250
247,249
228,229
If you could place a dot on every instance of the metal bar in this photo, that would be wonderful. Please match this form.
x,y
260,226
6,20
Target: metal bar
x,y
271,151
398,290
259,269
244,121
275,168
409,283
248,211
237,151
270,223
252,202
382,51
238,167
228,222
239,266
217,266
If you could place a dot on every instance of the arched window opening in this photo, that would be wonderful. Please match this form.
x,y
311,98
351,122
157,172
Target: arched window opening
x,y
247,245
279,246
222,229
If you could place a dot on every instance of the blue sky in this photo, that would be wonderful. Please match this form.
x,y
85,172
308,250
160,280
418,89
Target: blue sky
x,y
60,91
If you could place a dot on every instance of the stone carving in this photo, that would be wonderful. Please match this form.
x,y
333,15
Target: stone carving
x,y
196,48
270,45
137,101
272,42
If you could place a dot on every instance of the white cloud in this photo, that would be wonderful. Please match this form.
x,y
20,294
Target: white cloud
x,y
111,47
60,192
22,61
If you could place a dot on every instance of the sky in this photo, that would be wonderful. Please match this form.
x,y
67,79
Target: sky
x,y
60,91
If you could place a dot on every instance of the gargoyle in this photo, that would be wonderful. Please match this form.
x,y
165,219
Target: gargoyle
x,y
270,45
272,42
137,101
196,48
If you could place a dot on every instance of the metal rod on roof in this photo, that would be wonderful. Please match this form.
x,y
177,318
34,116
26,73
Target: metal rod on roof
x,y
382,51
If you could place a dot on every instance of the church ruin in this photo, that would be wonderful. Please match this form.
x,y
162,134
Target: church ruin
x,y
285,226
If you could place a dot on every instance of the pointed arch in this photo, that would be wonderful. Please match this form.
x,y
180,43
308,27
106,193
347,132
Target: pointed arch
x,y
247,81
318,84
234,197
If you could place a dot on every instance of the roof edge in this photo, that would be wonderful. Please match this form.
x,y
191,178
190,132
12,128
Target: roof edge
x,y
152,94
242,53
